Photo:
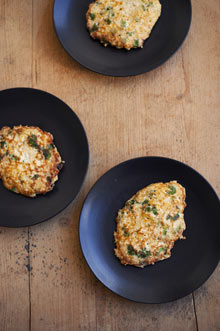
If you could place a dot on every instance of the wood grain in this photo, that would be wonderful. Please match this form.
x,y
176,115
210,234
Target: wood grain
x,y
16,70
172,111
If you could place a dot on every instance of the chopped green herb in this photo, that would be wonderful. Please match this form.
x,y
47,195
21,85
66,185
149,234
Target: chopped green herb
x,y
127,234
14,189
13,157
176,217
36,176
148,209
123,24
51,146
154,210
32,141
172,190
162,249
173,218
178,228
94,27
92,16
109,8
164,231
145,202
2,144
131,250
46,153
143,6
130,33
131,202
143,253
108,21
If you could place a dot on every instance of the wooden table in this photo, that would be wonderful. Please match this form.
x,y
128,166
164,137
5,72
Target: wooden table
x,y
45,283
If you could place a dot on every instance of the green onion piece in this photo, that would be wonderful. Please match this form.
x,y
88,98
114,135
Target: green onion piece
x,y
162,249
126,234
94,27
92,16
46,153
32,141
143,253
2,144
123,24
172,190
131,250
51,146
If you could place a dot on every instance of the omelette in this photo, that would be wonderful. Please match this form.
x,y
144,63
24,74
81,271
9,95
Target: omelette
x,y
29,160
122,23
150,223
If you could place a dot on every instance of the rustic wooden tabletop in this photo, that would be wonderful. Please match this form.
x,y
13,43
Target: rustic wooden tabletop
x,y
45,283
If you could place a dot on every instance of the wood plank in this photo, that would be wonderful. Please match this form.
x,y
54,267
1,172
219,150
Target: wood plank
x,y
204,147
16,70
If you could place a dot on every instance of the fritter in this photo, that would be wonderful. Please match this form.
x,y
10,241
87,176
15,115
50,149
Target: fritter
x,y
29,160
150,223
122,23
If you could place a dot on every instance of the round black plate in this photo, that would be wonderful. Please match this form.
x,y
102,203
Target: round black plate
x,y
192,261
37,108
166,37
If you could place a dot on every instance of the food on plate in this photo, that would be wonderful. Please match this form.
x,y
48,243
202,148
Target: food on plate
x,y
29,160
122,23
150,223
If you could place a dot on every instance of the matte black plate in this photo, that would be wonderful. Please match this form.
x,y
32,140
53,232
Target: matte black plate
x,y
37,108
166,37
192,261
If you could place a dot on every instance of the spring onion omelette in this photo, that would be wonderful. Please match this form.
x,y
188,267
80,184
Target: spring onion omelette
x,y
122,23
150,223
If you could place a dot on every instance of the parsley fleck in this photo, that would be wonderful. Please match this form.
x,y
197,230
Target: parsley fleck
x,y
172,190
46,153
154,210
123,24
92,16
131,250
2,144
126,234
173,218
108,21
32,141
143,253
94,27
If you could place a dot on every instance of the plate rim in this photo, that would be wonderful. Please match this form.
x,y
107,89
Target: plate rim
x,y
80,231
87,147
105,73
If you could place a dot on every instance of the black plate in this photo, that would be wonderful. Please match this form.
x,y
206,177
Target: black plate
x,y
166,37
37,108
192,261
